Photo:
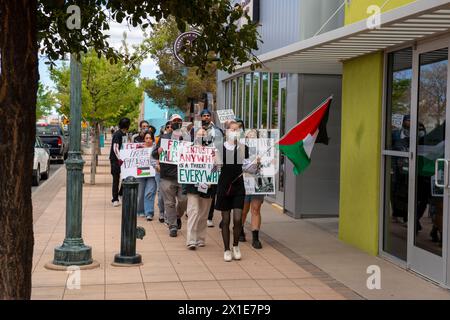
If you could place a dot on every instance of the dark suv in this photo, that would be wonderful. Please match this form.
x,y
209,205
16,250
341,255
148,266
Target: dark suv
x,y
55,137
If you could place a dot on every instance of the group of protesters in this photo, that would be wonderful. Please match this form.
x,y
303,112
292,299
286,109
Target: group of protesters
x,y
197,201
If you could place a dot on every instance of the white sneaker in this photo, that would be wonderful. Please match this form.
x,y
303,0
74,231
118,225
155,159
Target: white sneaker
x,y
227,256
237,253
210,223
116,204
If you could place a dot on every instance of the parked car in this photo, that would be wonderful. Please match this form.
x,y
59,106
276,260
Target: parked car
x,y
41,165
54,136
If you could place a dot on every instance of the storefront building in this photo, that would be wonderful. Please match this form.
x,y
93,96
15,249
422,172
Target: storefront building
x,y
394,144
279,99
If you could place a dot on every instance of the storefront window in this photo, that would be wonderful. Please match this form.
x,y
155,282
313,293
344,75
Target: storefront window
x,y
397,167
265,100
399,100
255,102
233,95
274,102
240,108
248,85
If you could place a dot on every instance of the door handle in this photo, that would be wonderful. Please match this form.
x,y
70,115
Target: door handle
x,y
436,171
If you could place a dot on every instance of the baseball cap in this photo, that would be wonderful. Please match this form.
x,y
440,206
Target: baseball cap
x,y
175,116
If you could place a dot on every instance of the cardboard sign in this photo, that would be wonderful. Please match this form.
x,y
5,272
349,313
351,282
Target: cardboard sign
x,y
263,181
137,163
224,115
196,165
171,150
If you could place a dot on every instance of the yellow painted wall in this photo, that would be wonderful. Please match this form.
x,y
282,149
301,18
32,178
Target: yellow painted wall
x,y
360,152
357,10
362,92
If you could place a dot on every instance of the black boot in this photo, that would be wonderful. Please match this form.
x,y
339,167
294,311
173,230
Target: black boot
x,y
242,235
256,243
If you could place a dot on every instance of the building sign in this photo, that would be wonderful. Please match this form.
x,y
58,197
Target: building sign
x,y
136,163
196,165
225,115
183,40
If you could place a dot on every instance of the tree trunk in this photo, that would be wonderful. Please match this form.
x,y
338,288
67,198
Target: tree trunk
x,y
94,153
18,90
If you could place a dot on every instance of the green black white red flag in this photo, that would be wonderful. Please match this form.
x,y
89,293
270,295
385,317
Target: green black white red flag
x,y
298,143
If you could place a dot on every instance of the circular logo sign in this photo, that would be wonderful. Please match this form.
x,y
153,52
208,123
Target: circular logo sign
x,y
183,40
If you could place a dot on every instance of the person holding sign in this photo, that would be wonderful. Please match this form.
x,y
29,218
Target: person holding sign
x,y
253,202
147,185
214,135
199,196
174,197
114,157
231,189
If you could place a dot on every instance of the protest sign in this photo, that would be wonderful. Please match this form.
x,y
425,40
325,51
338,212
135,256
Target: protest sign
x,y
196,165
263,181
226,114
136,162
171,149
131,146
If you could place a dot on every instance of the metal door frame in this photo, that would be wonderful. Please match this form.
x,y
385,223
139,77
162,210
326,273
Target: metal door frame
x,y
420,260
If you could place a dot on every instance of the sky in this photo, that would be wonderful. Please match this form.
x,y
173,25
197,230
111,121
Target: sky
x,y
134,36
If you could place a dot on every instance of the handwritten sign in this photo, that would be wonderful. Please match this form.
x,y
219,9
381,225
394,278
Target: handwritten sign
x,y
196,165
225,115
132,146
171,149
263,180
136,163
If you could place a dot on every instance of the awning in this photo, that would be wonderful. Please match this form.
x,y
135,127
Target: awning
x,y
324,54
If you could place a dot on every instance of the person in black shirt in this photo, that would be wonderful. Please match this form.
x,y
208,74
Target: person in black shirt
x,y
114,157
231,190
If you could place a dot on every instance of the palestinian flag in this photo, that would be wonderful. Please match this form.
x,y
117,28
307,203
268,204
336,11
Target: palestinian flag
x,y
143,172
298,143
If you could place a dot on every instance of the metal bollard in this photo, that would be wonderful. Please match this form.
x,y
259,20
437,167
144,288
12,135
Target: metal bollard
x,y
128,253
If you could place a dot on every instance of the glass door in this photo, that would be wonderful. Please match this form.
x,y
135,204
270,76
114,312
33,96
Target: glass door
x,y
429,168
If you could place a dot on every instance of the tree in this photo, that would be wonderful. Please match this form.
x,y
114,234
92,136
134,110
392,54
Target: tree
x,y
109,92
31,26
175,83
46,101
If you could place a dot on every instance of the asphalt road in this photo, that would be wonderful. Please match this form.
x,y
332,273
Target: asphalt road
x,y
53,168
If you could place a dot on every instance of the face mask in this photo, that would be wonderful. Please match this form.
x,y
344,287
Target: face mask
x,y
176,126
233,135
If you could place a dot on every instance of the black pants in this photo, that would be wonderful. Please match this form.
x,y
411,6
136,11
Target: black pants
x,y
115,171
211,209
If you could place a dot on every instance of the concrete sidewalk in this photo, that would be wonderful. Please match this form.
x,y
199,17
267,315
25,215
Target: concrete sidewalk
x,y
169,270
316,241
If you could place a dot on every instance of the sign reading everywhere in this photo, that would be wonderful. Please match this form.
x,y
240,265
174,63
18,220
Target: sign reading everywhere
x,y
136,163
225,115
182,41
171,149
196,165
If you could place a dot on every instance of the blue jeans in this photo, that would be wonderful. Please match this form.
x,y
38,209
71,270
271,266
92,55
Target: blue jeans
x,y
160,197
146,196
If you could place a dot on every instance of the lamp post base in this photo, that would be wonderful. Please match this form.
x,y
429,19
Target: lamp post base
x,y
74,255
126,260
